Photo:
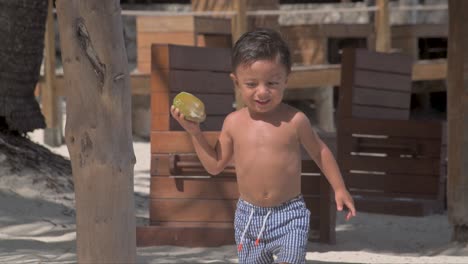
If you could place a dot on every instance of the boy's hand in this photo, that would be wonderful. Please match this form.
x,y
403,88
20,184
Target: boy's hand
x,y
342,197
193,128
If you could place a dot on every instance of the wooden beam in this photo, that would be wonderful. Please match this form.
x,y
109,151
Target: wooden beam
x,y
302,77
50,108
239,21
382,27
239,27
457,116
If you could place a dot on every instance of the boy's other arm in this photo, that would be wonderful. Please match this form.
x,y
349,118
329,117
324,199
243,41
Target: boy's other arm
x,y
214,160
325,160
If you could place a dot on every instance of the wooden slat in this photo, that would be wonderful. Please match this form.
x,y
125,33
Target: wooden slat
x,y
205,210
375,97
382,80
191,81
144,67
165,165
177,142
314,76
190,58
429,70
327,213
414,207
394,128
160,103
211,25
310,185
146,39
327,31
429,167
393,147
385,62
359,111
397,184
185,235
217,187
420,31
198,210
164,24
309,166
160,165
214,41
215,104
160,122
313,204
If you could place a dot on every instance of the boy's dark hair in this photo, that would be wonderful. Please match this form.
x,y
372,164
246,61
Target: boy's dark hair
x,y
260,44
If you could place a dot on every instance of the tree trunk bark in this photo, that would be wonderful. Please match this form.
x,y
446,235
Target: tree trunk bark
x,y
22,32
457,116
98,129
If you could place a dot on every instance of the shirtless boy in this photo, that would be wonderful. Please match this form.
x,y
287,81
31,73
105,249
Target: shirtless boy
x,y
264,138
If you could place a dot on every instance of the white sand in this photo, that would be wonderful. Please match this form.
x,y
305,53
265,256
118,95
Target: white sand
x,y
37,225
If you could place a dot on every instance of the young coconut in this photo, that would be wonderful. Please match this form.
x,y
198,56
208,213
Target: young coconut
x,y
190,106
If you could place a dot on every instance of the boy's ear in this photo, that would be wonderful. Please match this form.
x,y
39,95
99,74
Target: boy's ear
x,y
234,80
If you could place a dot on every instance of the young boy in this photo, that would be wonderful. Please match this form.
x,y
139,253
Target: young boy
x,y
264,138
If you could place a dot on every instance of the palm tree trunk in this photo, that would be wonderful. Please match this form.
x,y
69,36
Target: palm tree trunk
x,y
98,130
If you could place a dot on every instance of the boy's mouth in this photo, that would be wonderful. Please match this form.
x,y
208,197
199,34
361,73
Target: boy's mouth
x,y
262,102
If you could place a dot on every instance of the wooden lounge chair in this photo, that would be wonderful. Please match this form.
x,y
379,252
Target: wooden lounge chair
x,y
391,164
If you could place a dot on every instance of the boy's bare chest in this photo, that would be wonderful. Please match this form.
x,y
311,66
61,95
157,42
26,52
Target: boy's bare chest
x,y
266,136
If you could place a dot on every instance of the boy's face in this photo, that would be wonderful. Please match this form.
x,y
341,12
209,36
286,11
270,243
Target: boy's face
x,y
261,84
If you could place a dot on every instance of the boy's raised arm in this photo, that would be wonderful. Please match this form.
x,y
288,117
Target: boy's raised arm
x,y
214,160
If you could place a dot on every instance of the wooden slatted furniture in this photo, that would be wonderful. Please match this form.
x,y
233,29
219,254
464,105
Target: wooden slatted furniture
x,y
188,207
181,30
391,164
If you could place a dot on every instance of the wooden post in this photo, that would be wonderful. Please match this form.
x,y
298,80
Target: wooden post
x,y
239,27
239,22
382,27
50,103
98,130
457,116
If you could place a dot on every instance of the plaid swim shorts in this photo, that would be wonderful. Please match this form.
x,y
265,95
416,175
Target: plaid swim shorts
x,y
264,232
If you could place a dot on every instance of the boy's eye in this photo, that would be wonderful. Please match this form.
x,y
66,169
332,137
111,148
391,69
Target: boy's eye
x,y
273,83
251,85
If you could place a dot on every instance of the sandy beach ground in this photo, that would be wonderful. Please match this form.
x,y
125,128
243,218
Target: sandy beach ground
x,y
37,225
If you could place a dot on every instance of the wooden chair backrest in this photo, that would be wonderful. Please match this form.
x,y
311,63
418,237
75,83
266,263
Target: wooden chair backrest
x,y
375,85
390,163
202,71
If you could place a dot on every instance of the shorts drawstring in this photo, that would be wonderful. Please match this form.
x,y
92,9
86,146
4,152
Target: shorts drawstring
x,y
239,247
263,228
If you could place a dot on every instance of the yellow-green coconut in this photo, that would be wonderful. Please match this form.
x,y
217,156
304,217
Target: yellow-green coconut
x,y
190,106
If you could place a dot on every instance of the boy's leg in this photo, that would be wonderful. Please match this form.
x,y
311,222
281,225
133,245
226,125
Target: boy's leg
x,y
249,253
294,227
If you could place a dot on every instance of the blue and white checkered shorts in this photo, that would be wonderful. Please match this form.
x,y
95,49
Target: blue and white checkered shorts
x,y
264,232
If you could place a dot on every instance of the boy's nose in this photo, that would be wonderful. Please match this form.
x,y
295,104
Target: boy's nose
x,y
262,89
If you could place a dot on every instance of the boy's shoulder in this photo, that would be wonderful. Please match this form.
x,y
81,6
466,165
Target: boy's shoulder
x,y
235,116
293,112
